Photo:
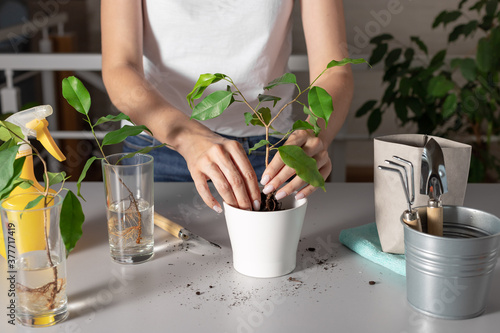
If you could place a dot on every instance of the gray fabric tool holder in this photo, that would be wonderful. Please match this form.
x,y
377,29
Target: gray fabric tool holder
x,y
390,201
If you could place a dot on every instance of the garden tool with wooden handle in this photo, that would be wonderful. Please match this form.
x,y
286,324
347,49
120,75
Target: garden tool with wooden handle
x,y
433,183
179,231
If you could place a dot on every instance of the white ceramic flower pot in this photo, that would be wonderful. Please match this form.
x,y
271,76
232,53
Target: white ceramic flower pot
x,y
265,244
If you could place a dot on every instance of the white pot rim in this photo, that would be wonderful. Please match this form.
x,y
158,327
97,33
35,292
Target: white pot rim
x,y
297,204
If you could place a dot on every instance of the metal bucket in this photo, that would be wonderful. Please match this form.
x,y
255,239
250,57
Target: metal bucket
x,y
449,277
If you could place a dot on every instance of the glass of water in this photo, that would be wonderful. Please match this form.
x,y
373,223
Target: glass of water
x,y
36,260
128,184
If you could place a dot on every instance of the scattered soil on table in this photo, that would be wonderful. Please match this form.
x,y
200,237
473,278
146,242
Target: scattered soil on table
x,y
206,284
294,280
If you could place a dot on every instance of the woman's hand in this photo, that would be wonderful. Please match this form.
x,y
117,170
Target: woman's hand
x,y
226,164
278,173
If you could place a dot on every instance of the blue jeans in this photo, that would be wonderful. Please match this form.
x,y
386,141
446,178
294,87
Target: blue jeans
x,y
170,166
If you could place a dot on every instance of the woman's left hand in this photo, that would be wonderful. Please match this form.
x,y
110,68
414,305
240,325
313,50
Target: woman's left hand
x,y
278,173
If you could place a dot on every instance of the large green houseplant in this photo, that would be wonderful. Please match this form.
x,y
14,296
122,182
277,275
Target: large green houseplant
x,y
457,98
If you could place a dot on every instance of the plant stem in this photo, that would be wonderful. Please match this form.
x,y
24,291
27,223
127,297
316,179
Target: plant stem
x,y
131,195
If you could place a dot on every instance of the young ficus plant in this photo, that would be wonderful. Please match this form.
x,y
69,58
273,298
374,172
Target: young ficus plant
x,y
78,97
320,107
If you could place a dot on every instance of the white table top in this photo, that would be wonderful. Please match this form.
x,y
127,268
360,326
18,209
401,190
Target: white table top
x,y
184,290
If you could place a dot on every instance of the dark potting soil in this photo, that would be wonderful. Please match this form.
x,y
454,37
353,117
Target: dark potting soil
x,y
268,203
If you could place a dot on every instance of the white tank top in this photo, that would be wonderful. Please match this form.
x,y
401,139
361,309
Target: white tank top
x,y
248,40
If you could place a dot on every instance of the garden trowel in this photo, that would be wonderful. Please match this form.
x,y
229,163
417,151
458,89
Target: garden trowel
x,y
434,184
180,232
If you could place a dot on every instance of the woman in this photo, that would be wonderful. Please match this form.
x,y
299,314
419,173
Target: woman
x,y
154,50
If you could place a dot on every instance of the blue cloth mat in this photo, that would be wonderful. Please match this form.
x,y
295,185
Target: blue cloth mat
x,y
364,241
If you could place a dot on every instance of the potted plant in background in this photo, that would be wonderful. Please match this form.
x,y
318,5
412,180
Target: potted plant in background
x,y
264,243
455,99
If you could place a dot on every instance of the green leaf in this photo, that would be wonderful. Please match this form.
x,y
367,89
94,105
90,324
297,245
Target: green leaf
x,y
404,86
419,43
470,27
304,165
203,82
71,220
392,57
401,110
26,184
7,158
346,61
438,59
491,7
374,120
313,120
14,180
477,6
455,62
468,69
302,125
212,106
446,17
248,117
33,202
8,144
259,144
287,78
121,134
10,131
439,19
457,31
390,93
414,105
84,174
381,38
269,98
54,178
109,117
76,94
449,106
321,103
439,86
485,55
468,103
409,53
265,113
367,106
378,53
144,150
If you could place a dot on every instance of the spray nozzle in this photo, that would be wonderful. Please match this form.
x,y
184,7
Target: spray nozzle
x,y
32,123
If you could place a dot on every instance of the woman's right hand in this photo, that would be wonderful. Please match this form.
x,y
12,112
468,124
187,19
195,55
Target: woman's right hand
x,y
225,163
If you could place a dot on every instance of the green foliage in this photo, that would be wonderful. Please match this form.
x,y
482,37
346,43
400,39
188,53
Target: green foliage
x,y
78,97
304,165
10,173
10,133
71,211
441,98
76,94
320,107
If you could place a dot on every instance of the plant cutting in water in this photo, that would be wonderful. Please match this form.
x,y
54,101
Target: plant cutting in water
x,y
130,225
33,200
320,107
